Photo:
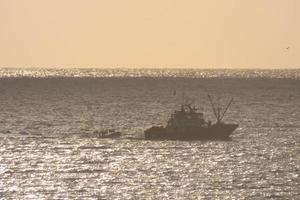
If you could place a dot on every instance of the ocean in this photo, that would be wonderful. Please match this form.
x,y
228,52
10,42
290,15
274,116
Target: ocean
x,y
48,149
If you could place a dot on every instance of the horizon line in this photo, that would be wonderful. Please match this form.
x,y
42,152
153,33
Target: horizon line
x,y
150,68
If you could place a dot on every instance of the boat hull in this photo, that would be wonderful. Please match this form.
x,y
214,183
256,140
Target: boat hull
x,y
214,132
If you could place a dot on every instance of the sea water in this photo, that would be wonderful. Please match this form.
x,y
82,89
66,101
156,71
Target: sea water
x,y
48,149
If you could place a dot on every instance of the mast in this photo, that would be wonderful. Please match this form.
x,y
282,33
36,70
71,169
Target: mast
x,y
226,108
216,111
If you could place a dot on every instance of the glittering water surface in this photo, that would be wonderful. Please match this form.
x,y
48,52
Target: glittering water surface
x,y
48,149
121,72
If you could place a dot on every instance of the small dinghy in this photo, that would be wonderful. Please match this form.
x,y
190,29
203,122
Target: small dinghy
x,y
110,133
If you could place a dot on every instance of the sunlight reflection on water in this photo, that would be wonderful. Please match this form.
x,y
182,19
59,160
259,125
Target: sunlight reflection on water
x,y
76,167
121,72
48,149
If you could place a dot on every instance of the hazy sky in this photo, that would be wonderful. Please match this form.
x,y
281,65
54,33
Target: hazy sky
x,y
150,33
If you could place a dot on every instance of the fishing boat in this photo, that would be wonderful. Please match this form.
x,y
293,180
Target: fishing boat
x,y
189,124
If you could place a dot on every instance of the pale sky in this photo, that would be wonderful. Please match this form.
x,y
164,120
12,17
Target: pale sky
x,y
150,33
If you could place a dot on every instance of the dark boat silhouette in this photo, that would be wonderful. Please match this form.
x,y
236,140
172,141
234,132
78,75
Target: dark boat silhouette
x,y
188,124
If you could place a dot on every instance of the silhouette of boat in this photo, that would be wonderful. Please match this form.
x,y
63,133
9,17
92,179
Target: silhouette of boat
x,y
109,133
188,124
